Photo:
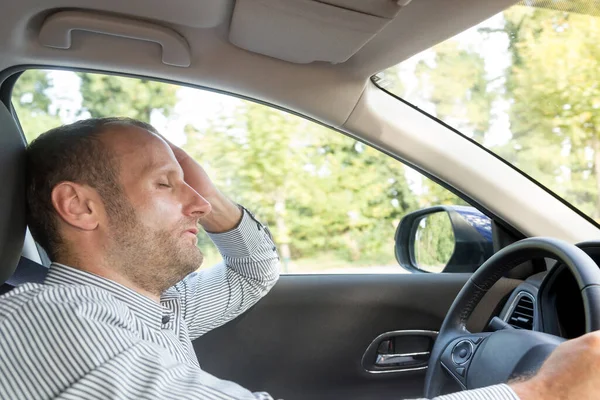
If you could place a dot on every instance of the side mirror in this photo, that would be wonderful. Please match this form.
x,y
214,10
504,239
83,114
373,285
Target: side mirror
x,y
444,239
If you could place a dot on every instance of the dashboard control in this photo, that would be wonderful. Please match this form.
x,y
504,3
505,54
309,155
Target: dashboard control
x,y
459,354
462,352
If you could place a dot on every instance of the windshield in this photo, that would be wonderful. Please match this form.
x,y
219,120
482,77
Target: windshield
x,y
526,85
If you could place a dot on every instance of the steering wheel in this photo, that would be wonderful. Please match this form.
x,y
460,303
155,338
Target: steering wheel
x,y
476,360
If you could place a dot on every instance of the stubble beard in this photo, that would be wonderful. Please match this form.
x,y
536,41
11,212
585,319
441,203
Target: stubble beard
x,y
152,260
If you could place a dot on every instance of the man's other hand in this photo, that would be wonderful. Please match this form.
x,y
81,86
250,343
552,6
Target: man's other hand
x,y
571,372
225,214
194,174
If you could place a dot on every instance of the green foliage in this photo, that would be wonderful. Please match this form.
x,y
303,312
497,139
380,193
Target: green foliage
x,y
434,242
110,96
32,104
319,191
555,112
458,87
550,88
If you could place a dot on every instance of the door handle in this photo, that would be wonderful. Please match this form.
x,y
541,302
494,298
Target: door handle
x,y
399,351
387,360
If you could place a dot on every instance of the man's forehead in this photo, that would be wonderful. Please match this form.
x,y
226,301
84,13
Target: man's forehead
x,y
137,148
124,138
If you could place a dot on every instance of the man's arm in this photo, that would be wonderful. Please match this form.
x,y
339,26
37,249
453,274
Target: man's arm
x,y
497,392
215,296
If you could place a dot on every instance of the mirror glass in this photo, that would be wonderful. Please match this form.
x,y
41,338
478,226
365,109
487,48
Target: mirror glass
x,y
434,242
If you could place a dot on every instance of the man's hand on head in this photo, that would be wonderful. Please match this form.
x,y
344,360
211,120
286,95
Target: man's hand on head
x,y
225,214
571,372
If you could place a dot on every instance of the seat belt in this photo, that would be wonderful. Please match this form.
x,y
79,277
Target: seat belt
x,y
28,271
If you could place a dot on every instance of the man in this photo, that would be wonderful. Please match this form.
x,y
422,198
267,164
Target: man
x,y
117,208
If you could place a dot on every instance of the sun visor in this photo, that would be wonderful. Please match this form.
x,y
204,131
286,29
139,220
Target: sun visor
x,y
379,8
303,31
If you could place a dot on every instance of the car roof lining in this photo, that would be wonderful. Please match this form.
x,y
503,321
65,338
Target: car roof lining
x,y
321,90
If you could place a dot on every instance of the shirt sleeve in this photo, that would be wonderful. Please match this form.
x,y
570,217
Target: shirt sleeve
x,y
496,392
214,296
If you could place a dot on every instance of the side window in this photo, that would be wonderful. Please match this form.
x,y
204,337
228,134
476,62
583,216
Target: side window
x,y
332,203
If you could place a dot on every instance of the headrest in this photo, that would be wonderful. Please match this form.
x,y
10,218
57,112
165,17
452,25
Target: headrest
x,y
12,194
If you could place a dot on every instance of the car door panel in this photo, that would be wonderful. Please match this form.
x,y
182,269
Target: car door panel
x,y
306,338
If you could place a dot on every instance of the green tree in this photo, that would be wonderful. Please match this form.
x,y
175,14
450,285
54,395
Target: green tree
x,y
458,87
32,104
434,242
318,190
250,155
555,103
110,96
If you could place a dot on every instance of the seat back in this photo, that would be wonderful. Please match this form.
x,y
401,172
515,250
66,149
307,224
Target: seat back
x,y
12,194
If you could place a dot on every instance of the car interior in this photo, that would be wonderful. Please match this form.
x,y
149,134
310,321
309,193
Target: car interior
x,y
528,282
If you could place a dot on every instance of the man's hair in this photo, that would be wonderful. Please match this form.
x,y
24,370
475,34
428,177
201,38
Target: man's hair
x,y
76,154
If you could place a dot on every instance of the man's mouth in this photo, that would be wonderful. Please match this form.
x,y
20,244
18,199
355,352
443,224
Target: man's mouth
x,y
193,231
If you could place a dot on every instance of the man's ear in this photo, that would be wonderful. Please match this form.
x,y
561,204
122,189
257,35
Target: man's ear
x,y
77,205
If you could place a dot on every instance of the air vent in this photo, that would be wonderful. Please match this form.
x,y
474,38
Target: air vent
x,y
522,312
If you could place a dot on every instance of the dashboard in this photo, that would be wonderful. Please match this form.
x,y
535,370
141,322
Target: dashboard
x,y
550,302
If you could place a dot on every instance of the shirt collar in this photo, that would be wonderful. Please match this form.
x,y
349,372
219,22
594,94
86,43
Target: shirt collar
x,y
143,307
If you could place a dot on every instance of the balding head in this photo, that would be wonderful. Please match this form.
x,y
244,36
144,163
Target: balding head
x,y
75,153
108,196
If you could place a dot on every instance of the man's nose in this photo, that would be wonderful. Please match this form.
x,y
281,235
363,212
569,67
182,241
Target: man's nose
x,y
195,205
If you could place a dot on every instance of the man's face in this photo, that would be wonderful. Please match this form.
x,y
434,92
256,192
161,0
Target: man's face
x,y
152,230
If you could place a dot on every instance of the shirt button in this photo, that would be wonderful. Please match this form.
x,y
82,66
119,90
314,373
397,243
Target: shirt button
x,y
166,319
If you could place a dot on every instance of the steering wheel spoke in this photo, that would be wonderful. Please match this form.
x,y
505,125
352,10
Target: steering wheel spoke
x,y
458,356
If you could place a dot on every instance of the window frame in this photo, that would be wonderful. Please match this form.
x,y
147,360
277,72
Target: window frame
x,y
9,77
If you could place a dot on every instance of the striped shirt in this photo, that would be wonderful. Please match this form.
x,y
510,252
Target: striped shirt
x,y
81,336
